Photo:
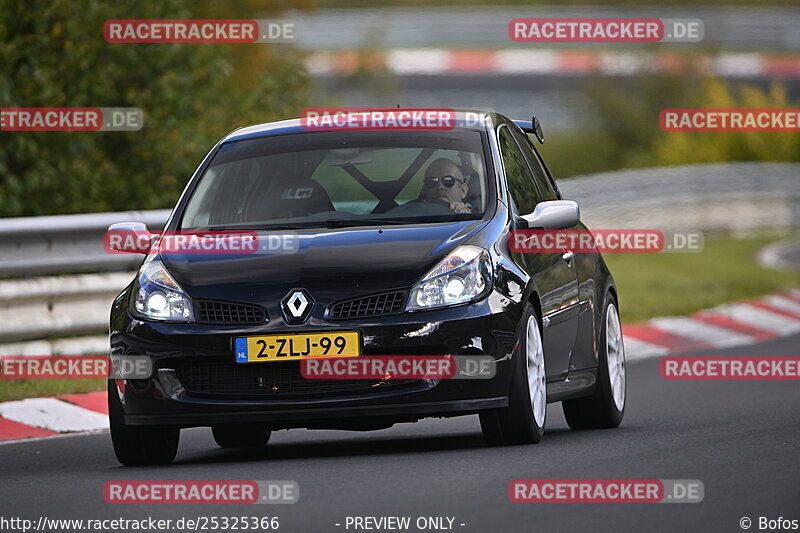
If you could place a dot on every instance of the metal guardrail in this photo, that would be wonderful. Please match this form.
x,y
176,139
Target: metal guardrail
x,y
67,243
724,197
53,306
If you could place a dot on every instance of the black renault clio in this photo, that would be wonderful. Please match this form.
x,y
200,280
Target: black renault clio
x,y
400,246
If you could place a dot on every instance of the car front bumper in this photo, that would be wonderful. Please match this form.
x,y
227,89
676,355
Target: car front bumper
x,y
487,327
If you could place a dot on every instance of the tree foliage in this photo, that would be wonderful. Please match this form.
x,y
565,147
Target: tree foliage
x,y
52,54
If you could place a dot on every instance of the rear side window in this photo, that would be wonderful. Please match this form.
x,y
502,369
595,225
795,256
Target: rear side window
x,y
543,181
518,174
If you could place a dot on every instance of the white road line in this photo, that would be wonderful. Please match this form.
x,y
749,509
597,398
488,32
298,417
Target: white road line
x,y
52,414
638,349
759,318
701,331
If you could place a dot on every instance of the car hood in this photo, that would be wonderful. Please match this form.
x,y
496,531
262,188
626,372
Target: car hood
x,y
330,264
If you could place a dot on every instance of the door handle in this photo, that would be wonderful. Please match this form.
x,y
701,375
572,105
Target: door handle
x,y
568,257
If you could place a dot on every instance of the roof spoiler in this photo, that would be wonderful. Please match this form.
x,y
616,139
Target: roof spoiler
x,y
532,126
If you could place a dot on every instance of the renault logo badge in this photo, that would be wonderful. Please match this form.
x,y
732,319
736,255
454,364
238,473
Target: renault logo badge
x,y
296,306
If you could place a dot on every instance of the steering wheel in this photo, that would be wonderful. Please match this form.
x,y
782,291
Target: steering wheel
x,y
438,201
418,206
432,202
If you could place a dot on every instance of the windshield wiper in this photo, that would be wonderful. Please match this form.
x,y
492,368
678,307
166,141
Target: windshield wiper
x,y
264,227
344,222
329,224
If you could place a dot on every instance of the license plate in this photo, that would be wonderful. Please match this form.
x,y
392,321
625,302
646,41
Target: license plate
x,y
273,348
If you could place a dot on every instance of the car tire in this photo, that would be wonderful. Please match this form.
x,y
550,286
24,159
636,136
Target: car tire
x,y
139,445
606,407
240,436
522,422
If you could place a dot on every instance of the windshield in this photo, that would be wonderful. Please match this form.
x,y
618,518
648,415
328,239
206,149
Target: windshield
x,y
333,179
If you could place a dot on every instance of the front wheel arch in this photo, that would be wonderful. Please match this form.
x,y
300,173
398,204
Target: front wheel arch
x,y
533,299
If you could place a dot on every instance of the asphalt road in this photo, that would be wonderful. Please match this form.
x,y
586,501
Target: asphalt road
x,y
739,438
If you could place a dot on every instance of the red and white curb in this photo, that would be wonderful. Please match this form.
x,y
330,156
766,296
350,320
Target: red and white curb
x,y
45,417
735,324
434,61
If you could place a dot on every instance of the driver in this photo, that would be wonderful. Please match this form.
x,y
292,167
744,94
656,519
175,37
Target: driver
x,y
445,182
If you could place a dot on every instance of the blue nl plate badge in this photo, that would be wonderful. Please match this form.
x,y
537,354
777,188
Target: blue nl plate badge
x,y
241,350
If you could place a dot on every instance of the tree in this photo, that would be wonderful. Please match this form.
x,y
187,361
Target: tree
x,y
52,54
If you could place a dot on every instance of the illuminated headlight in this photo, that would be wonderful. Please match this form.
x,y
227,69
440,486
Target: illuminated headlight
x,y
159,297
463,276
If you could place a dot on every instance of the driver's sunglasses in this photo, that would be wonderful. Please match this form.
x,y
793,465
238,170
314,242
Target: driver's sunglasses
x,y
447,181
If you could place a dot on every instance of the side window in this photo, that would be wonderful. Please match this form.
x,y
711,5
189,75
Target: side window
x,y
543,181
518,174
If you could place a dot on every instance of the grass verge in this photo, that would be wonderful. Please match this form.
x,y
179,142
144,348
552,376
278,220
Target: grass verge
x,y
18,389
652,285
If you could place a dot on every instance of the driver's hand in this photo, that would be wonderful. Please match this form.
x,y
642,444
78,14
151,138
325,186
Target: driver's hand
x,y
460,207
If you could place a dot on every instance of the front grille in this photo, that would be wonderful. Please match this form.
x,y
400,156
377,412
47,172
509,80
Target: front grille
x,y
273,380
386,303
212,312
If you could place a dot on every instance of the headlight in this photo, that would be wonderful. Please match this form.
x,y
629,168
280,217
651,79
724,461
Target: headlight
x,y
159,297
463,276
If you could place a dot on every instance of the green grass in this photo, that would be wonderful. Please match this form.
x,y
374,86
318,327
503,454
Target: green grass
x,y
652,285
16,389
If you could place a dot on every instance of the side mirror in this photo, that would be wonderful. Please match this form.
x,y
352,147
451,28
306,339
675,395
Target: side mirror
x,y
556,214
128,237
